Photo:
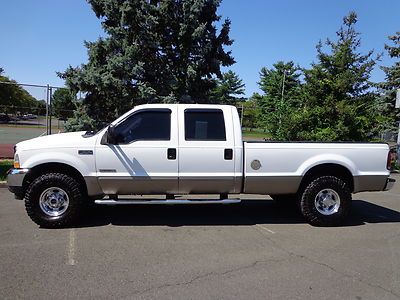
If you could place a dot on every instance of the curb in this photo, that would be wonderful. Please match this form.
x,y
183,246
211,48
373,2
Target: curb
x,y
3,184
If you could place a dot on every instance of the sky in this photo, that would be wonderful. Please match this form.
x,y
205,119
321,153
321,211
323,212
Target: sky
x,y
40,37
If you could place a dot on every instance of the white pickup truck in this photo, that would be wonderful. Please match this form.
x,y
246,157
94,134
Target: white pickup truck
x,y
176,149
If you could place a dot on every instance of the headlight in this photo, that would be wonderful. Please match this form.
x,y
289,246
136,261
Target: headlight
x,y
16,161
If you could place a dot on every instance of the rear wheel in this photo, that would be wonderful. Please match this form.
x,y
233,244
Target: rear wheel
x,y
326,201
54,200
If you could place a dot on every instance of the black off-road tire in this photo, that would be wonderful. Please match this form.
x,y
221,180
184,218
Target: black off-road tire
x,y
65,182
307,201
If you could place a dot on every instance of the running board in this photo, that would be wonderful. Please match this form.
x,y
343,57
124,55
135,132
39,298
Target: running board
x,y
168,201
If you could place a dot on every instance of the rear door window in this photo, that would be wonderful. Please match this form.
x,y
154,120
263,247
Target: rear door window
x,y
204,125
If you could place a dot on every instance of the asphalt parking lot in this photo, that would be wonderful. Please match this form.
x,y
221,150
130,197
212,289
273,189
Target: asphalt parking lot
x,y
253,250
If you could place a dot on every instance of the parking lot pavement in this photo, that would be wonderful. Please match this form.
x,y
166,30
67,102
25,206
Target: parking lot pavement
x,y
252,250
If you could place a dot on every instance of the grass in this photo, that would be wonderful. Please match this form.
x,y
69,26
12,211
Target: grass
x,y
12,125
4,166
254,134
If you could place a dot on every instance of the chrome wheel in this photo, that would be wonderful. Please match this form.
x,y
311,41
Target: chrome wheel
x,y
54,201
327,202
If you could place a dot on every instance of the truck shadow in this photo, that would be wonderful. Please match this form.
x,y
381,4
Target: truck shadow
x,y
245,213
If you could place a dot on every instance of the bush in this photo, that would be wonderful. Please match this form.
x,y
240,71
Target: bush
x,y
5,165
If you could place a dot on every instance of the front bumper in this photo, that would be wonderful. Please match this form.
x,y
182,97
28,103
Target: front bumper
x,y
15,179
389,184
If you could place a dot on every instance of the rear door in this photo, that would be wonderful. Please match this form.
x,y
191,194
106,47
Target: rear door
x,y
206,144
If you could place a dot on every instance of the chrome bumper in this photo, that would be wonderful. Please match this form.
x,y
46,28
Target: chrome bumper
x,y
15,177
389,184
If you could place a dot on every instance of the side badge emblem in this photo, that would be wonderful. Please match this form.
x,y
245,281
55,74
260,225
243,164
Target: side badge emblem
x,y
85,152
255,164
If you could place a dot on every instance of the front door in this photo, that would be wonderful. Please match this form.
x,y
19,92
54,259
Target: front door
x,y
143,160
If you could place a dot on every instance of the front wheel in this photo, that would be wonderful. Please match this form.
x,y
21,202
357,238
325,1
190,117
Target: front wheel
x,y
54,200
326,201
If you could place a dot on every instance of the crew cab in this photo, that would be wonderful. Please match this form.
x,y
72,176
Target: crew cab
x,y
179,149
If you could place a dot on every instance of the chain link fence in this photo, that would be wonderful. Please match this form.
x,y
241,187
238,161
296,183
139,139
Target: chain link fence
x,y
30,117
26,112
29,107
27,120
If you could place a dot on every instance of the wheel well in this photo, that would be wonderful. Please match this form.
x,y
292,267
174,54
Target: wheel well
x,y
41,169
328,170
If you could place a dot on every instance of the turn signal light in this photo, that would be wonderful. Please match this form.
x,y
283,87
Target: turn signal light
x,y
16,162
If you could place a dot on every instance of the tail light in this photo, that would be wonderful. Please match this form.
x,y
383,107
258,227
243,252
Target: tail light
x,y
389,161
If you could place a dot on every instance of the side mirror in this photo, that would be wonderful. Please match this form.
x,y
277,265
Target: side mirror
x,y
111,135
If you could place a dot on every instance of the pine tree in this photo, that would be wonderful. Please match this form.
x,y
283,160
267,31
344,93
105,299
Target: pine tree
x,y
79,121
228,89
338,101
153,51
389,114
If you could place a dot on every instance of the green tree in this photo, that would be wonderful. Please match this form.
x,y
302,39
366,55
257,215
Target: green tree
x,y
14,98
251,113
281,97
154,51
228,89
63,103
79,121
388,114
338,101
40,108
